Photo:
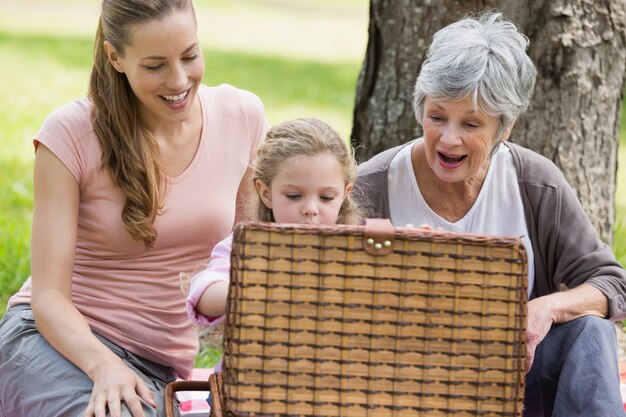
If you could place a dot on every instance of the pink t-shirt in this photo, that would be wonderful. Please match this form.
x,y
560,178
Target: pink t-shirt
x,y
130,295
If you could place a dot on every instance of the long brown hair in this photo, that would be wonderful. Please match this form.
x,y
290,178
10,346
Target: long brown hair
x,y
305,136
129,152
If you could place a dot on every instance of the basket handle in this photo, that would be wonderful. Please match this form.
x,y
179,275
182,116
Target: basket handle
x,y
213,386
379,237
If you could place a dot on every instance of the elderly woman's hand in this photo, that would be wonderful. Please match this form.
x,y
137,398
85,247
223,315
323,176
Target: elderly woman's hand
x,y
539,320
560,307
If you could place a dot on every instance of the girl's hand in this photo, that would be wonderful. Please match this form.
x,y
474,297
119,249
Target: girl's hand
x,y
114,383
424,226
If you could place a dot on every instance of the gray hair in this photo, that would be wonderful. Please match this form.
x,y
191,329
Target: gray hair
x,y
483,59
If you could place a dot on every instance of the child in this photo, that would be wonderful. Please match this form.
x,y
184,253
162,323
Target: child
x,y
303,174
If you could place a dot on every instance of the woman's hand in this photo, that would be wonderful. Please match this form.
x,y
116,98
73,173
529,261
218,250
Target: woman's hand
x,y
560,307
114,383
539,321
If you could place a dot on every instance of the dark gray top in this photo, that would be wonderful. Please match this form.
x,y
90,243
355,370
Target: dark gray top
x,y
566,246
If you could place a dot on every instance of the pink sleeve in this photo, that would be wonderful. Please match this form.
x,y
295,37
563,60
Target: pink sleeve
x,y
63,132
217,270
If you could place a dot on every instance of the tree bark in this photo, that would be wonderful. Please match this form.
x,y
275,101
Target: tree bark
x,y
579,48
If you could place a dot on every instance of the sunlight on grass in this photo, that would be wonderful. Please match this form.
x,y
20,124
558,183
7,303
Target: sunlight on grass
x,y
321,30
619,237
304,30
290,88
619,243
16,202
75,18
45,73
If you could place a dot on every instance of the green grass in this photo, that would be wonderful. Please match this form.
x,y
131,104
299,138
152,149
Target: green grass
x,y
16,207
293,4
290,88
619,235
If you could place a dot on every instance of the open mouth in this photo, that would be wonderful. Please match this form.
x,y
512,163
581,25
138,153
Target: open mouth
x,y
451,159
179,98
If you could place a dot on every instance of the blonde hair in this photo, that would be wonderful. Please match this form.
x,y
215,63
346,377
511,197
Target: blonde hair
x,y
305,136
129,152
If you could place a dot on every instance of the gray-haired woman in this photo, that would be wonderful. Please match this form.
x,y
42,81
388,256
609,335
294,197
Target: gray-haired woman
x,y
463,176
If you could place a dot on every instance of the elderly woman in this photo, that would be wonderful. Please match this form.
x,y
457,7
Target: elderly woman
x,y
463,176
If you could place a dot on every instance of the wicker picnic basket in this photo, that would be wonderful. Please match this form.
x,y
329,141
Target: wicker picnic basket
x,y
372,320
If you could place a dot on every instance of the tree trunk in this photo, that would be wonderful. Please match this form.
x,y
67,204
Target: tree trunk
x,y
579,48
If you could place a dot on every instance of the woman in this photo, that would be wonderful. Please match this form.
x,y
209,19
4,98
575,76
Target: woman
x,y
463,176
132,185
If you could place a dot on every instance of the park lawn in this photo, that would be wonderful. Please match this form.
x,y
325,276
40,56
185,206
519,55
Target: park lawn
x,y
619,240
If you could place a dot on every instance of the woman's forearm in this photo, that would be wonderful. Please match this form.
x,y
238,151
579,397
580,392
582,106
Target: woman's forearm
x,y
584,300
68,332
560,307
53,244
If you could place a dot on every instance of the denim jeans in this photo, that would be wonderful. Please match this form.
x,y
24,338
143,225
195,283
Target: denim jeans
x,y
575,372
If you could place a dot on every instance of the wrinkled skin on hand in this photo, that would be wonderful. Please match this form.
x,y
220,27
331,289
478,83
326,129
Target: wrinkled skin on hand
x,y
560,307
539,322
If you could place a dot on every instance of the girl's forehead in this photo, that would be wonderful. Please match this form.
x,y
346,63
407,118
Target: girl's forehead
x,y
309,165
315,159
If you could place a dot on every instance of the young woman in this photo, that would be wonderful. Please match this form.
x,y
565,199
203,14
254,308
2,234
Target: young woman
x,y
132,185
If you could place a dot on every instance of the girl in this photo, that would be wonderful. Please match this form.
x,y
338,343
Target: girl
x,y
303,174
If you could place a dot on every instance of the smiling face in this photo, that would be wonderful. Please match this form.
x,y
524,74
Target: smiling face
x,y
458,140
306,189
164,67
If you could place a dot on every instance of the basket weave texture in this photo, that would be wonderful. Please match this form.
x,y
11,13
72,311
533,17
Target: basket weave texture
x,y
317,326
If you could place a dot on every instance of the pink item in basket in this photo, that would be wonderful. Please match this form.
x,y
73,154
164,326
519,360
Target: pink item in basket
x,y
194,403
